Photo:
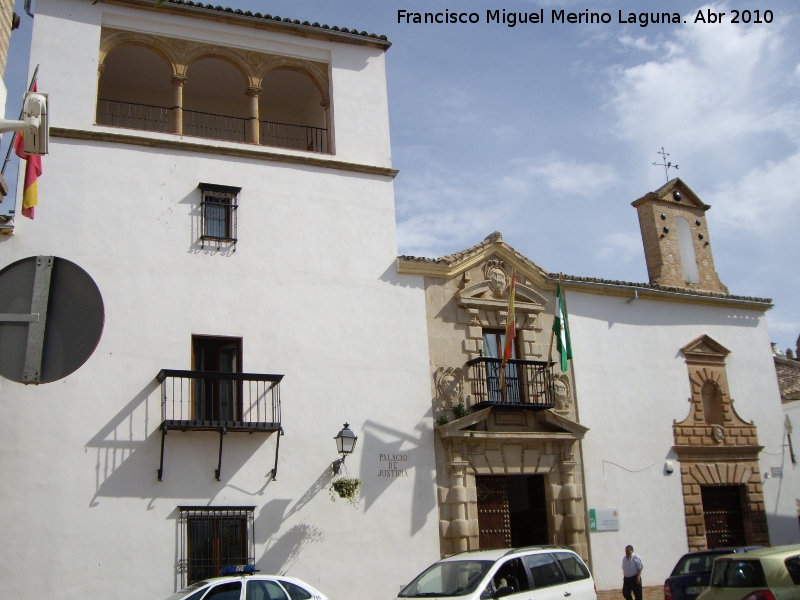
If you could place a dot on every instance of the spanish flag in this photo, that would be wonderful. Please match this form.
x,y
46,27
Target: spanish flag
x,y
33,168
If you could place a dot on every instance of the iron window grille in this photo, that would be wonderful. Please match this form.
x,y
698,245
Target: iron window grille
x,y
218,209
212,538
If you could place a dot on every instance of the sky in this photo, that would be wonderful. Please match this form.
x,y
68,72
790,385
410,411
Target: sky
x,y
547,132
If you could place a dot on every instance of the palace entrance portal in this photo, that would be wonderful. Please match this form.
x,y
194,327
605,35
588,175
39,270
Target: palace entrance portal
x,y
512,510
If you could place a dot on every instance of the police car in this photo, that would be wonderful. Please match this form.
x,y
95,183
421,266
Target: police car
x,y
243,583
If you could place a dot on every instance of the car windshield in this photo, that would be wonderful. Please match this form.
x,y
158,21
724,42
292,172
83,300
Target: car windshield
x,y
730,572
692,564
187,591
451,578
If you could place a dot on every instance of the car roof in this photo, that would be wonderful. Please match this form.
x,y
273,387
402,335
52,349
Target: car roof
x,y
248,576
774,552
498,553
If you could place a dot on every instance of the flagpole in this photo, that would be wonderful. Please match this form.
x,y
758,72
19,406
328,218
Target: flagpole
x,y
552,330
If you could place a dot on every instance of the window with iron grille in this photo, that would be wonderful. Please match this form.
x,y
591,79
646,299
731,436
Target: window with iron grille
x,y
218,207
214,537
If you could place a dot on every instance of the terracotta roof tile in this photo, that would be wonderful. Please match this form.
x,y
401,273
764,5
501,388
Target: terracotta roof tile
x,y
277,19
788,371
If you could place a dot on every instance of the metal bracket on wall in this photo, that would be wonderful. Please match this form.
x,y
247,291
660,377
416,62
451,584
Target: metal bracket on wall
x,y
277,446
218,471
161,465
37,319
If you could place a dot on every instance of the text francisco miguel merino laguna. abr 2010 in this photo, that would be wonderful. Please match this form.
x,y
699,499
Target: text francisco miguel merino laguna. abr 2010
x,y
643,19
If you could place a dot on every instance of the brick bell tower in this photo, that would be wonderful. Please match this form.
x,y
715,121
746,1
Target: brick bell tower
x,y
677,247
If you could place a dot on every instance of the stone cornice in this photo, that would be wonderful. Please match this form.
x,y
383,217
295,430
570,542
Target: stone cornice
x,y
717,453
243,151
509,435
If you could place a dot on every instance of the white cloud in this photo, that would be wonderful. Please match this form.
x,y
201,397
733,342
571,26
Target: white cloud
x,y
715,86
780,326
560,176
638,43
620,247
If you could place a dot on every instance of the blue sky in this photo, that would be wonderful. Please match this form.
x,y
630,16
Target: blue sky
x,y
547,132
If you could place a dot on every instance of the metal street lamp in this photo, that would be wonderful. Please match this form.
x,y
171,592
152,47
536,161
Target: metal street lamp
x,y
345,444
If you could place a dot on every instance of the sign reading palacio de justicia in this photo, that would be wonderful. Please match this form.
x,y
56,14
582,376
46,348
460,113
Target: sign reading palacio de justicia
x,y
392,465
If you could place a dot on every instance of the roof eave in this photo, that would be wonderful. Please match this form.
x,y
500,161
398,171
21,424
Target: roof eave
x,y
291,28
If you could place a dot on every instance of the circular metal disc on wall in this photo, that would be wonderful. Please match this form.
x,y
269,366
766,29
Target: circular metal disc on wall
x,y
51,319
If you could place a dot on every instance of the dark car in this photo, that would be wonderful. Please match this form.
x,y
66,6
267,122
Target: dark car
x,y
692,574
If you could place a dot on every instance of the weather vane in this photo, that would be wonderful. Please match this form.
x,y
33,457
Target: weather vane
x,y
667,165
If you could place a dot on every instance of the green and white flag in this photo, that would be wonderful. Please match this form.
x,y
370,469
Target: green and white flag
x,y
561,329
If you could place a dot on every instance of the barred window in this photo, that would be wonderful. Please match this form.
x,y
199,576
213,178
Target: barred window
x,y
218,208
213,538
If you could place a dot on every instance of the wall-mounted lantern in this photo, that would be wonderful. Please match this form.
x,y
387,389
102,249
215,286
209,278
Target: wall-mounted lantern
x,y
345,444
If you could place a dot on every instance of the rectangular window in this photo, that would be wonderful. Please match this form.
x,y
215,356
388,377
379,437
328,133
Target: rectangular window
x,y
218,207
216,398
213,538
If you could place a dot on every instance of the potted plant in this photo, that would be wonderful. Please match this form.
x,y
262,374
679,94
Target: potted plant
x,y
347,488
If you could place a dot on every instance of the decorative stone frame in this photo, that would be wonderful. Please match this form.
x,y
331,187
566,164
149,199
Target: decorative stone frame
x,y
467,452
717,454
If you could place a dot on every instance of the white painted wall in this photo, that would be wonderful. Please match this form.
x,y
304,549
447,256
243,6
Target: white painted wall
x,y
313,290
632,382
358,75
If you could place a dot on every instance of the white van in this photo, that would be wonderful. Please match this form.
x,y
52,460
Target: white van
x,y
534,573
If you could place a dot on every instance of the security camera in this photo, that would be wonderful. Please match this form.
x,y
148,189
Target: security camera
x,y
669,468
33,124
34,112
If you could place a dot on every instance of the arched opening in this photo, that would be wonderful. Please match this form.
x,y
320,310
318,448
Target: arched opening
x,y
291,112
215,102
712,403
686,247
134,90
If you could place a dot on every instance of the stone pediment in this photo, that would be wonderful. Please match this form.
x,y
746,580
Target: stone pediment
x,y
526,299
667,193
504,423
705,350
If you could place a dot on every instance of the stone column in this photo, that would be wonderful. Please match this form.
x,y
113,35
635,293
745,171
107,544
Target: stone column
x,y
326,104
177,103
253,131
455,527
570,496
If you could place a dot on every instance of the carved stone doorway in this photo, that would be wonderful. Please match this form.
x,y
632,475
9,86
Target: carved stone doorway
x,y
723,514
512,510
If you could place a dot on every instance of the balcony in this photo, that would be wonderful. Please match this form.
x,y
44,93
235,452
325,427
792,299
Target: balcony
x,y
214,94
222,402
526,383
204,400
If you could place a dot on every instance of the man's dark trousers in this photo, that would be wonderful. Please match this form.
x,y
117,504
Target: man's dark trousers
x,y
629,585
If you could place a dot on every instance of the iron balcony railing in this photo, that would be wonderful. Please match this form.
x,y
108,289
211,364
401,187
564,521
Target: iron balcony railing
x,y
528,383
212,126
197,400
298,137
134,116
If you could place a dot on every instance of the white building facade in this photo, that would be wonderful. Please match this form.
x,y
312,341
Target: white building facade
x,y
663,433
226,181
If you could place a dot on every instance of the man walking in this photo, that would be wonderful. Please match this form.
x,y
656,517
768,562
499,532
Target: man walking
x,y
631,574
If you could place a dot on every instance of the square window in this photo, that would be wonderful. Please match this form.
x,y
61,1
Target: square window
x,y
213,538
218,207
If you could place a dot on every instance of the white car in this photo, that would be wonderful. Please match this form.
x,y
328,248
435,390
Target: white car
x,y
249,586
554,572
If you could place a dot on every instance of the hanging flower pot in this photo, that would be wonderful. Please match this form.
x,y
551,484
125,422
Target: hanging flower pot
x,y
345,487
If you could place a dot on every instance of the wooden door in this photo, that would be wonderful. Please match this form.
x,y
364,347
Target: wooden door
x,y
494,519
722,512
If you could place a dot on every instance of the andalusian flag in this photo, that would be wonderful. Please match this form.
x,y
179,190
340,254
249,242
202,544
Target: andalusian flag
x,y
33,168
561,329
